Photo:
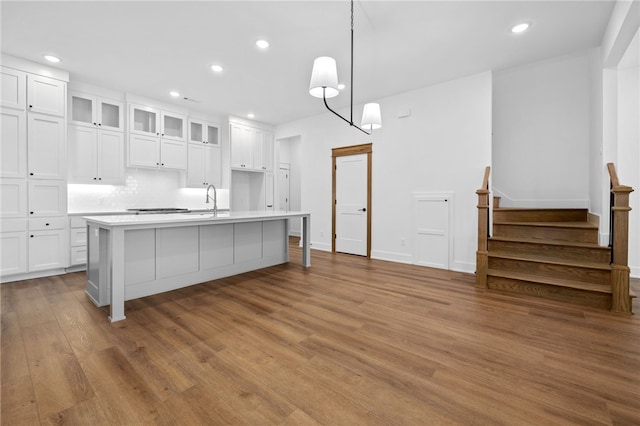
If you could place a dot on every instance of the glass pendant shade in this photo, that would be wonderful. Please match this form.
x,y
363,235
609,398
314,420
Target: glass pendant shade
x,y
371,118
324,75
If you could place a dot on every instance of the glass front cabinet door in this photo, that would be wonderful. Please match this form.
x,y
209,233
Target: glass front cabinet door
x,y
94,111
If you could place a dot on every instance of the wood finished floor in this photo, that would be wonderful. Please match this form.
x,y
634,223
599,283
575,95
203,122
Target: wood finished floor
x,y
349,341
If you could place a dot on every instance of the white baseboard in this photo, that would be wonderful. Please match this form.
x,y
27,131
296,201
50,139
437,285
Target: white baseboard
x,y
319,246
391,256
468,267
635,271
32,275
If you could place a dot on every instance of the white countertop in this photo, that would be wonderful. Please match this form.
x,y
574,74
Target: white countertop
x,y
190,218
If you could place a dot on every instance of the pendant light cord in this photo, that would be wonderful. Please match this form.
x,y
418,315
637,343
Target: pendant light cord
x,y
351,62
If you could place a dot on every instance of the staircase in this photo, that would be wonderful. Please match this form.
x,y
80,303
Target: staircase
x,y
554,253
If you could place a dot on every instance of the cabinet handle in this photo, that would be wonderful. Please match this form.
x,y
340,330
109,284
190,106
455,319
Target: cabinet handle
x,y
99,124
30,174
31,236
163,164
30,212
157,164
31,106
95,124
99,178
46,224
95,178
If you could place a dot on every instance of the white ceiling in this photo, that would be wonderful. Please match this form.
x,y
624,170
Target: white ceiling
x,y
151,47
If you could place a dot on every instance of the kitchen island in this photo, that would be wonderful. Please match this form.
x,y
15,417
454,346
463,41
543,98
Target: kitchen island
x,y
133,256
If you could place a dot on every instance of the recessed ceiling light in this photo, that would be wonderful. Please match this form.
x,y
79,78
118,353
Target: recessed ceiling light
x,y
262,44
174,93
52,58
216,68
341,86
251,115
520,28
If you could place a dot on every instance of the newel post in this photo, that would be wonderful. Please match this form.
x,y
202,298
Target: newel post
x,y
482,254
620,271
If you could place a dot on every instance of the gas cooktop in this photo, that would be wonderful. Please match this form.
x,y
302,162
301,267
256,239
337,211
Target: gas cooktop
x,y
157,210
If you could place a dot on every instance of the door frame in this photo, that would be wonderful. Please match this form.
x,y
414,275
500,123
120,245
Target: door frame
x,y
342,152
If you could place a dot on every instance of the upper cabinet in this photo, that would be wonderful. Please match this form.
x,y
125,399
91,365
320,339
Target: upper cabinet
x,y
251,148
203,132
150,121
46,95
157,139
13,150
46,151
94,111
14,88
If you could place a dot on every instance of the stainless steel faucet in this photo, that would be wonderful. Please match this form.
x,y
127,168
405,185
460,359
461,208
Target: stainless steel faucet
x,y
215,198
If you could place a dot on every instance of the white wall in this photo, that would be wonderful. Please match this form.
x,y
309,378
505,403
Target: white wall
x,y
444,145
541,126
628,162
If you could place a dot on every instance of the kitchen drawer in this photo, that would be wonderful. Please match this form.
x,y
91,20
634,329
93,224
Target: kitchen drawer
x,y
45,223
78,237
14,225
77,222
78,256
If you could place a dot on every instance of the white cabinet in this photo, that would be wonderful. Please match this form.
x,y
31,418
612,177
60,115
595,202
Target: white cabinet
x,y
242,147
150,121
204,166
47,243
94,111
203,132
173,154
33,170
157,139
13,247
47,198
13,195
77,241
13,152
46,147
251,148
13,92
46,95
95,156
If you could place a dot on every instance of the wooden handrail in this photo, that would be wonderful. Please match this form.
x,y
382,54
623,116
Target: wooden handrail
x,y
619,242
613,176
485,180
482,254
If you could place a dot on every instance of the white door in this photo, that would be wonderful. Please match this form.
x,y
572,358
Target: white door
x,y
283,189
13,149
351,204
431,229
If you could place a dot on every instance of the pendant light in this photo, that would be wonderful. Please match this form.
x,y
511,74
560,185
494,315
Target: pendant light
x,y
324,84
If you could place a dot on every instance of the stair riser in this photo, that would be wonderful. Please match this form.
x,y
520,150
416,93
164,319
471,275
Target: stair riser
x,y
587,275
546,233
564,294
585,254
567,215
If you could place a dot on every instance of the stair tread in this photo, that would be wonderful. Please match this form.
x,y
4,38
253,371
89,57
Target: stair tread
x,y
560,282
547,259
551,242
567,224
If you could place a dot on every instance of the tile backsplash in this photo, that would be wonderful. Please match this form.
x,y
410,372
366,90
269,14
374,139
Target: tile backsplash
x,y
142,189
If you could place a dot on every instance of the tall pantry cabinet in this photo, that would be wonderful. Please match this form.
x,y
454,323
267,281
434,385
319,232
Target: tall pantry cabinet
x,y
33,169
